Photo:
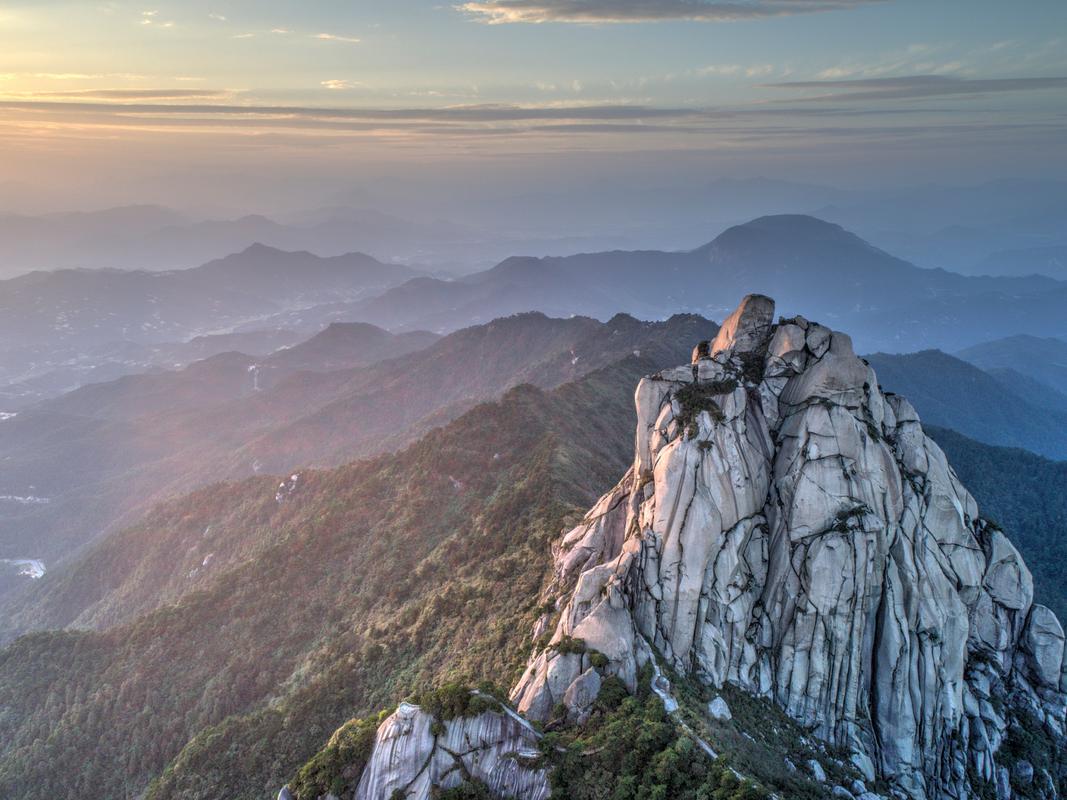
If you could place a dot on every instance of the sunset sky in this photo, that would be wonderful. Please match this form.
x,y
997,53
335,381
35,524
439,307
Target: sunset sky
x,y
120,94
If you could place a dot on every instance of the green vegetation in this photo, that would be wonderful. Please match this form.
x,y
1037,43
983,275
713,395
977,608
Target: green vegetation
x,y
631,750
336,768
846,517
568,645
373,578
696,397
454,700
752,365
598,659
1027,740
758,739
472,790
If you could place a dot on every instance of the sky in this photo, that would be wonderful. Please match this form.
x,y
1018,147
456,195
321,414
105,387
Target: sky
x,y
276,103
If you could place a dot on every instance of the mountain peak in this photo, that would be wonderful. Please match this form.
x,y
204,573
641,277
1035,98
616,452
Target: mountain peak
x,y
748,327
789,529
259,249
793,227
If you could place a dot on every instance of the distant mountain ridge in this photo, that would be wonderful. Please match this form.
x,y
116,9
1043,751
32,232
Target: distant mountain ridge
x,y
815,267
1050,260
53,320
162,306
1044,359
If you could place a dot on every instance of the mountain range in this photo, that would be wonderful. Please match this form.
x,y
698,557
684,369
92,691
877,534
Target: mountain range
x,y
952,227
65,328
1010,409
86,461
817,268
58,328
211,656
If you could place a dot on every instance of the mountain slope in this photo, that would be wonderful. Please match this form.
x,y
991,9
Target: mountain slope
x,y
310,419
951,393
98,306
1042,359
231,376
419,544
61,321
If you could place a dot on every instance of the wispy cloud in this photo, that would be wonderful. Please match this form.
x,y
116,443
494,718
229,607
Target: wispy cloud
x,y
496,12
136,94
337,84
333,37
797,120
74,76
466,113
720,69
152,18
911,87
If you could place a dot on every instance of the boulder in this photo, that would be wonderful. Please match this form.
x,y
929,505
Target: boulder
x,y
412,755
719,710
747,328
816,770
1023,772
1003,784
1043,646
581,694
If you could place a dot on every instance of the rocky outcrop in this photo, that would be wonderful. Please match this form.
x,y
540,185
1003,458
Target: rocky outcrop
x,y
416,755
789,528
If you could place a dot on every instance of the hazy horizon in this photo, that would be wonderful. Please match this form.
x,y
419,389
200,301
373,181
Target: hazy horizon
x,y
280,107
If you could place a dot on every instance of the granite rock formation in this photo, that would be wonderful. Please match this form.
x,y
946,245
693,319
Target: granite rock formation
x,y
418,756
787,527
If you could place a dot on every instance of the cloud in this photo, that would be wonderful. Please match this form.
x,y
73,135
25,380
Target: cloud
x,y
152,18
138,94
911,87
338,84
720,69
496,12
217,17
331,37
461,113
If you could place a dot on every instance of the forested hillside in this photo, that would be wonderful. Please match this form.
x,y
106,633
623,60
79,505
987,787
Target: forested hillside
x,y
370,580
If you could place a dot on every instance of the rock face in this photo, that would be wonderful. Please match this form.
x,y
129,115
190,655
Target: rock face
x,y
417,758
788,527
